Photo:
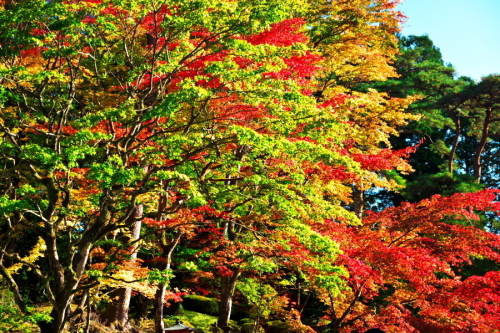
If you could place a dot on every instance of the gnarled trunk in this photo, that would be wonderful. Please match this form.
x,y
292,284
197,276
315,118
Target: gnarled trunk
x,y
117,312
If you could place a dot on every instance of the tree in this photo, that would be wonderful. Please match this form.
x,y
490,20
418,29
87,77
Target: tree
x,y
358,42
482,104
233,132
108,106
405,267
105,101
439,161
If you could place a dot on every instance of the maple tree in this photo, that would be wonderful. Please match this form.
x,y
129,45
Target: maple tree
x,y
357,40
113,105
225,140
404,268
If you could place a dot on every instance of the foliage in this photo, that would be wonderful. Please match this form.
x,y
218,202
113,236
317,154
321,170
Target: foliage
x,y
225,148
11,319
201,304
200,321
402,267
457,127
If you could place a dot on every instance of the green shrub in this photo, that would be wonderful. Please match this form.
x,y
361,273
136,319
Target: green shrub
x,y
201,304
202,322
250,328
11,319
277,326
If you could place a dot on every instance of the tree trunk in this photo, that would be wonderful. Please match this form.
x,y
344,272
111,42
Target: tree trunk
x,y
62,298
159,305
80,312
481,145
167,250
64,286
338,322
117,312
456,141
50,327
358,197
228,285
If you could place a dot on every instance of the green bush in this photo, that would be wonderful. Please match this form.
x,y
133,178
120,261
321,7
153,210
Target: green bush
x,y
11,319
202,322
201,304
277,326
250,328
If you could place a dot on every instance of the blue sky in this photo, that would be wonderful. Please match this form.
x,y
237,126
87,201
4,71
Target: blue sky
x,y
466,31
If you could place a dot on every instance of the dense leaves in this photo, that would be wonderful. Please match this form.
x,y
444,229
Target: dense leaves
x,y
224,148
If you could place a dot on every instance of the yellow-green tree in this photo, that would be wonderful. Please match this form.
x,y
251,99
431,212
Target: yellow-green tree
x,y
231,116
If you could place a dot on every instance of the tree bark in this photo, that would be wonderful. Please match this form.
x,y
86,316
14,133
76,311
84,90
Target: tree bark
x,y
167,250
481,145
117,313
358,197
456,141
228,285
158,307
